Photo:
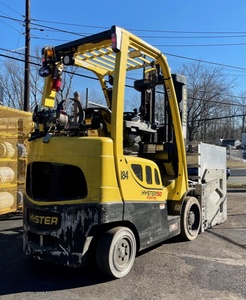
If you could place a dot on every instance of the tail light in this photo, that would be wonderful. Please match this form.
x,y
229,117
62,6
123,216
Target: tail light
x,y
116,39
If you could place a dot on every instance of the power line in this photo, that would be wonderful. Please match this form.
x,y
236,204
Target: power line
x,y
190,32
205,61
10,26
154,37
44,27
90,77
201,45
71,24
219,103
60,30
37,64
140,30
15,58
50,39
217,118
145,30
169,54
18,53
11,18
6,17
10,8
160,37
193,37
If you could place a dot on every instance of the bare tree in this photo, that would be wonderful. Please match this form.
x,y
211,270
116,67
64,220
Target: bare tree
x,y
12,81
208,89
241,102
36,82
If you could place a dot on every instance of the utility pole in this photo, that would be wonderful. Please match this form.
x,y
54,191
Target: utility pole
x,y
27,58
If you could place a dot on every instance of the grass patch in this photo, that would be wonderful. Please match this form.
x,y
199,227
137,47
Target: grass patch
x,y
234,164
236,186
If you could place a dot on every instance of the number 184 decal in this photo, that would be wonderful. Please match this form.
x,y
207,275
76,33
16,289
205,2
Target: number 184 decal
x,y
124,175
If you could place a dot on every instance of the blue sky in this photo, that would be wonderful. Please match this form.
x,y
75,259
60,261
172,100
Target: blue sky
x,y
212,31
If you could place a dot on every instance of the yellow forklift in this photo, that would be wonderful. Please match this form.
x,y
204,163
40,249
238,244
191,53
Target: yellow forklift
x,y
103,181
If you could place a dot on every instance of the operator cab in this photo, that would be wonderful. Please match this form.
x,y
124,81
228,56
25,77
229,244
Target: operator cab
x,y
149,135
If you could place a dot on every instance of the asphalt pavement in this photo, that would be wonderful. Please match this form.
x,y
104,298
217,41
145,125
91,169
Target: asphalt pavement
x,y
213,266
238,177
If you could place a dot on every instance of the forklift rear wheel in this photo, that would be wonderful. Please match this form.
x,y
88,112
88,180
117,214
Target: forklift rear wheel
x,y
190,218
116,251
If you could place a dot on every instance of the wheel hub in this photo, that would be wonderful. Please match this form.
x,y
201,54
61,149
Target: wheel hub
x,y
122,251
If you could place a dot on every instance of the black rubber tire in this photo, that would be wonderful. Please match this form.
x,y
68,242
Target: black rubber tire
x,y
116,252
190,219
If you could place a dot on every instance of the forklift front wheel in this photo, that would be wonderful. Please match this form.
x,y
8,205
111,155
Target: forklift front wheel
x,y
116,251
190,218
